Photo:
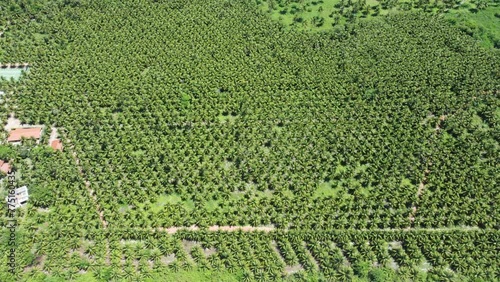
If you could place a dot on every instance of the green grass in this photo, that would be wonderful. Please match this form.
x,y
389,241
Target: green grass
x,y
228,118
6,152
212,205
198,276
277,128
264,194
137,153
288,18
86,277
406,182
180,276
40,37
478,122
307,11
484,24
326,189
171,199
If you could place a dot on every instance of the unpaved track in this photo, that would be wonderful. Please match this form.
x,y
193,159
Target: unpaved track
x,y
421,186
91,192
87,183
246,228
100,212
175,229
12,122
53,135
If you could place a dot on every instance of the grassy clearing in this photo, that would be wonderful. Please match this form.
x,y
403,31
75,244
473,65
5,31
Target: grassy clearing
x,y
39,37
210,204
227,118
483,24
326,189
180,276
195,275
319,15
323,15
291,14
172,199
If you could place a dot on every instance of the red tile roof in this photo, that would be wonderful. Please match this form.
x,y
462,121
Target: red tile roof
x,y
17,133
4,167
56,145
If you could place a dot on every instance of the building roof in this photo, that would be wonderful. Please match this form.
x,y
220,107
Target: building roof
x,y
22,194
4,166
56,144
21,197
21,190
30,132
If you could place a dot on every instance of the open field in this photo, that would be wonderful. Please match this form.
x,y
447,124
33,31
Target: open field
x,y
483,25
205,141
324,15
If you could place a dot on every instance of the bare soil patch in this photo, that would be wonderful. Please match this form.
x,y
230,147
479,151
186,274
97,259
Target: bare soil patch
x,y
167,259
277,251
311,257
293,269
393,264
53,134
214,228
210,251
12,122
395,245
37,264
242,228
188,245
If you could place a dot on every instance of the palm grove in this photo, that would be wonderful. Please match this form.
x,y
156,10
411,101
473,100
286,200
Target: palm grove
x,y
366,148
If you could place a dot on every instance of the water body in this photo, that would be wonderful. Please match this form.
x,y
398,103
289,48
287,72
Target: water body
x,y
15,73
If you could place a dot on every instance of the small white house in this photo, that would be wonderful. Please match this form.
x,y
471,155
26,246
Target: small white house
x,y
21,197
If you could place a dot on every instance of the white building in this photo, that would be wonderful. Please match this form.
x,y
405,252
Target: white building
x,y
21,197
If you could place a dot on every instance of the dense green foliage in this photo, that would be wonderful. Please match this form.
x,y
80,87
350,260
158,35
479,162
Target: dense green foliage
x,y
372,149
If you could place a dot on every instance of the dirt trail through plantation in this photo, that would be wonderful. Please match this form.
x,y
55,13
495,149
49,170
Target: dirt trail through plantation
x,y
91,192
173,230
246,228
94,199
53,135
12,122
421,186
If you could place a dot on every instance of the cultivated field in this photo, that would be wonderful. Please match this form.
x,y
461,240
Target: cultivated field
x,y
204,141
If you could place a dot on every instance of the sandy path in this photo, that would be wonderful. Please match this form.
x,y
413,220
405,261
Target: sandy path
x,y
53,135
12,122
246,228
174,229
